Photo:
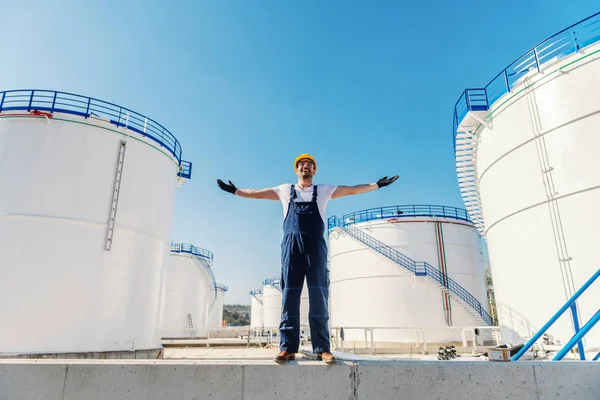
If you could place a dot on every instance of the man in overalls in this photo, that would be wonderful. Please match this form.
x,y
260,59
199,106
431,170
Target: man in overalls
x,y
304,252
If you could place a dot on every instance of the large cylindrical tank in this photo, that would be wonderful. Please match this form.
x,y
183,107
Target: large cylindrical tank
x,y
256,308
271,303
271,307
369,290
85,222
189,292
528,164
215,318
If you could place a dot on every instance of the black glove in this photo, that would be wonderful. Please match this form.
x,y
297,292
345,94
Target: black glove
x,y
385,181
228,188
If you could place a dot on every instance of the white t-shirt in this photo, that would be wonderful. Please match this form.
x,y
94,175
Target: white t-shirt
x,y
324,193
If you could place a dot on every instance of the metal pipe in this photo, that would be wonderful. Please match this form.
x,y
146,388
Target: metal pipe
x,y
372,344
552,320
585,329
576,325
537,60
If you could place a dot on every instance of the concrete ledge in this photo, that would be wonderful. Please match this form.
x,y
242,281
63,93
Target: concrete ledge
x,y
151,354
177,379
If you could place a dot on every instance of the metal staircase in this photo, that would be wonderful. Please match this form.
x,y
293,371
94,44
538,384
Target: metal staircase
x,y
420,268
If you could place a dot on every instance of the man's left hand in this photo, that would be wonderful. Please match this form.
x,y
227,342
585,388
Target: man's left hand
x,y
386,181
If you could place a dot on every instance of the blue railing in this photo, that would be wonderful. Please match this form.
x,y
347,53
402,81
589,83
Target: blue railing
x,y
189,248
256,292
579,332
420,269
185,170
69,103
221,287
398,212
564,43
271,281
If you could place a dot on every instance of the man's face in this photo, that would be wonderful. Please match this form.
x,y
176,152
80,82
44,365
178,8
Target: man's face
x,y
305,168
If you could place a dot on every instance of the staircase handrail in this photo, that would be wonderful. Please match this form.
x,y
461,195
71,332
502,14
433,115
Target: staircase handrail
x,y
579,333
420,268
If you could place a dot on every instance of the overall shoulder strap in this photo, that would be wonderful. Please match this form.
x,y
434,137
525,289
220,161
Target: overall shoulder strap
x,y
292,192
314,196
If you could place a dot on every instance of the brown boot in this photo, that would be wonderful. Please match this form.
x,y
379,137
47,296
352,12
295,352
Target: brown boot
x,y
327,357
284,357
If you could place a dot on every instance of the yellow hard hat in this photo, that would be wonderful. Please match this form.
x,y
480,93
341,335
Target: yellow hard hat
x,y
301,156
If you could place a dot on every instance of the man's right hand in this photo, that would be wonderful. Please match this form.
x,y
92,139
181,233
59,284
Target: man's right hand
x,y
228,188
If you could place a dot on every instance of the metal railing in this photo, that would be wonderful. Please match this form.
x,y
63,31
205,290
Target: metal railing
x,y
61,102
397,212
189,248
221,287
271,281
420,269
579,332
420,335
568,41
256,292
185,169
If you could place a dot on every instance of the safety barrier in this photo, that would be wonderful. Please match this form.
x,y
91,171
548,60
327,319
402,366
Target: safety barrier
x,y
420,269
221,287
397,212
185,170
271,281
579,332
189,248
568,41
420,335
68,103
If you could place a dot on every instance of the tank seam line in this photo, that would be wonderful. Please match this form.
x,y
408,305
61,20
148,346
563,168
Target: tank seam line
x,y
532,140
539,204
78,221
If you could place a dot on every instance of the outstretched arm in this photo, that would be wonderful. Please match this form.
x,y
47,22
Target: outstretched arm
x,y
268,194
358,189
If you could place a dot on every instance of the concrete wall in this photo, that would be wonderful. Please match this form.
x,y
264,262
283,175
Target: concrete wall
x,y
51,380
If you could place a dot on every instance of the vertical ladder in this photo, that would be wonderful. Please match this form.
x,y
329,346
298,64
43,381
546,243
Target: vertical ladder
x,y
191,326
115,199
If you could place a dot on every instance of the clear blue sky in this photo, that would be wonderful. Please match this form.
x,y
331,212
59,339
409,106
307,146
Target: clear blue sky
x,y
368,87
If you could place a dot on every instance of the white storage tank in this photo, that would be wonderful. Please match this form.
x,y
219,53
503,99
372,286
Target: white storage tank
x,y
271,303
271,307
215,318
85,224
527,159
256,308
370,290
189,292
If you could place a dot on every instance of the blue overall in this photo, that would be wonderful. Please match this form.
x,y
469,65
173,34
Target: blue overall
x,y
304,254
